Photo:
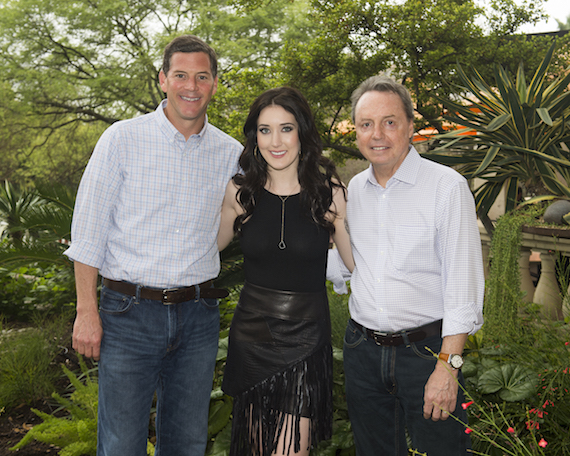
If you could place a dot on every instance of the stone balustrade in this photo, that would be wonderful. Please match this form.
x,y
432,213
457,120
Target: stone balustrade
x,y
546,241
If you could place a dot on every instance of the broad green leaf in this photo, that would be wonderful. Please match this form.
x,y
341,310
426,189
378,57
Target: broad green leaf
x,y
219,415
469,369
221,446
512,382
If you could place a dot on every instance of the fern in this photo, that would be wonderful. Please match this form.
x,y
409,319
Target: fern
x,y
75,434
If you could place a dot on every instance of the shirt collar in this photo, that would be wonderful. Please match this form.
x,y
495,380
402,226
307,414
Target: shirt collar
x,y
407,172
170,130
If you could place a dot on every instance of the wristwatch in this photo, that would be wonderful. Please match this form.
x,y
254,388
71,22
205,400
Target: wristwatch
x,y
455,361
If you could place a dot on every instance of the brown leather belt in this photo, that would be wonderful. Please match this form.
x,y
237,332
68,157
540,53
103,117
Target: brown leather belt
x,y
168,295
397,338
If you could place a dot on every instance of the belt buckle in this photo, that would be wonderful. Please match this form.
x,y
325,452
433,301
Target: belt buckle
x,y
378,335
165,295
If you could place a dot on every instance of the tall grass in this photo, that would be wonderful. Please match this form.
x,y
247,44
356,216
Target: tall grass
x,y
27,369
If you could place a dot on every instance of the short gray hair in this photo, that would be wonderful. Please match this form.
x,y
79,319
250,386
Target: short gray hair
x,y
383,84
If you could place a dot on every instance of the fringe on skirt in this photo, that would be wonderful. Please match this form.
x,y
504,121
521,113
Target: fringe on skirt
x,y
275,406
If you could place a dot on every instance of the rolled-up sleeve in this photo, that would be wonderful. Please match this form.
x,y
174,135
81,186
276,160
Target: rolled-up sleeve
x,y
95,202
460,249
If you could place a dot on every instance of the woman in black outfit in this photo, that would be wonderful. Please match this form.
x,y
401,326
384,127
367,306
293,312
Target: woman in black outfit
x,y
285,206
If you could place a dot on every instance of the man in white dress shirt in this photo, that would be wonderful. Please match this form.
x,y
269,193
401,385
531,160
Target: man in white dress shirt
x,y
146,218
418,282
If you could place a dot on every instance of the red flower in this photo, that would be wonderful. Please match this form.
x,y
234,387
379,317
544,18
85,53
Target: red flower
x,y
466,404
532,425
510,430
542,443
468,430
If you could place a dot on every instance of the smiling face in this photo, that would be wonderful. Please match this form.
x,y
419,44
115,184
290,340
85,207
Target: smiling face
x,y
383,132
189,86
278,139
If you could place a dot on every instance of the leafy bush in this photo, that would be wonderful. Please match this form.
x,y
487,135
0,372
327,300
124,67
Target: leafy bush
x,y
28,291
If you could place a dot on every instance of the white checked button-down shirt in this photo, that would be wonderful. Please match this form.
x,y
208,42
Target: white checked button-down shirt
x,y
148,206
417,250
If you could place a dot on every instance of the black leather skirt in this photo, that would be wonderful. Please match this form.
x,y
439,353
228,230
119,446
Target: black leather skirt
x,y
279,368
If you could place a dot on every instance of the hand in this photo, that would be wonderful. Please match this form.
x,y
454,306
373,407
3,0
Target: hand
x,y
440,393
87,334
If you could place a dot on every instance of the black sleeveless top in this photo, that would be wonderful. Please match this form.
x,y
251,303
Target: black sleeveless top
x,y
301,266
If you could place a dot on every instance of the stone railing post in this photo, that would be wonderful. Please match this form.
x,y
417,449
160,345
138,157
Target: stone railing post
x,y
547,293
527,285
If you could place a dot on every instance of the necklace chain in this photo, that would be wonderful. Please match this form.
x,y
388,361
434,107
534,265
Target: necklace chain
x,y
282,244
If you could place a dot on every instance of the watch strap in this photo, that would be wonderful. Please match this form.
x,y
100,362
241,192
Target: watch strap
x,y
444,357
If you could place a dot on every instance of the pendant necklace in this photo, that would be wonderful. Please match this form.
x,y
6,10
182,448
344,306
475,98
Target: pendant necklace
x,y
282,244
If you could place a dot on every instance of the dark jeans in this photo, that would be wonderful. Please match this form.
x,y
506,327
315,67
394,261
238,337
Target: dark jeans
x,y
385,389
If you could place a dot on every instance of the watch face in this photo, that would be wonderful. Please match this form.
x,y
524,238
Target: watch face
x,y
456,361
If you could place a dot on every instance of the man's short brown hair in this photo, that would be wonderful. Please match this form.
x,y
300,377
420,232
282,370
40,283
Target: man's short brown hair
x,y
188,44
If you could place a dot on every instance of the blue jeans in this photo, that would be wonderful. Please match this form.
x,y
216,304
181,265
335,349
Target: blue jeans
x,y
384,391
149,347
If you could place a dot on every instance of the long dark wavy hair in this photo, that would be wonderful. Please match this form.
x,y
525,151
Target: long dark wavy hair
x,y
317,174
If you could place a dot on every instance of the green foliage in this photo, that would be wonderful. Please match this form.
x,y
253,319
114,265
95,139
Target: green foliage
x,y
97,62
521,135
39,230
220,412
27,373
70,68
75,434
338,305
14,205
503,295
28,291
511,382
521,389
417,43
36,230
